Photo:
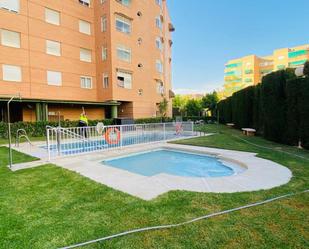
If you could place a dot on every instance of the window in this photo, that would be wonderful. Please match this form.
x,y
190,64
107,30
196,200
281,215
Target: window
x,y
159,66
124,53
123,24
124,79
10,38
281,57
52,16
104,53
105,80
85,2
103,24
85,55
85,82
11,73
159,44
158,22
103,1
124,2
84,27
54,78
11,5
53,48
160,87
159,2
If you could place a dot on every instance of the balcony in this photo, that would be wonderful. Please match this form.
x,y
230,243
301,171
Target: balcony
x,y
248,71
294,54
297,63
233,65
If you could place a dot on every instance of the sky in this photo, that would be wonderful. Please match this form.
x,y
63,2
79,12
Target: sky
x,y
211,32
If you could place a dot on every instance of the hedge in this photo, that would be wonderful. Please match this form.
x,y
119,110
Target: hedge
x,y
278,108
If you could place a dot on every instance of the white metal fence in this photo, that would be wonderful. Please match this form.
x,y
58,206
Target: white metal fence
x,y
78,140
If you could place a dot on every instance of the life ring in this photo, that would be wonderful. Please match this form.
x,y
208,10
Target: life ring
x,y
178,129
112,136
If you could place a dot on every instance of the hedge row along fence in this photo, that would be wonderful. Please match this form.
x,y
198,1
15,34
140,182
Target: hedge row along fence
x,y
38,129
278,108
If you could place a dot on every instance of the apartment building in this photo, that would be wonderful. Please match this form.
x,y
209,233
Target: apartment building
x,y
249,70
110,57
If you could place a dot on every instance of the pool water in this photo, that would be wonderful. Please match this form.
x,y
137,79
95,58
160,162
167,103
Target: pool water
x,y
95,145
172,162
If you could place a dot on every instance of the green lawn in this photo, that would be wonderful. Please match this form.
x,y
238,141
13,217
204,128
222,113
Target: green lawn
x,y
49,207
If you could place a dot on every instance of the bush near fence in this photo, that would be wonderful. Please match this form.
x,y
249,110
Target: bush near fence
x,y
278,108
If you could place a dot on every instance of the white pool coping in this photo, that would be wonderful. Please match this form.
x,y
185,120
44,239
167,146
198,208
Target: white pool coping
x,y
261,174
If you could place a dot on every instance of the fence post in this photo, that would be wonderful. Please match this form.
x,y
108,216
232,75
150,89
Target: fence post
x,y
121,136
48,145
164,131
58,138
192,128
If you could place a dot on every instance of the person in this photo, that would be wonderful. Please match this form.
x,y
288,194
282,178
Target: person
x,y
83,122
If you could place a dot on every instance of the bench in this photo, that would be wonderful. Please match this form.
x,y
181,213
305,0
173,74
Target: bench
x,y
248,131
231,125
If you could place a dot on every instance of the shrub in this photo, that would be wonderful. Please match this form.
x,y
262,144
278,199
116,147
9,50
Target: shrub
x,y
306,69
273,97
304,112
278,108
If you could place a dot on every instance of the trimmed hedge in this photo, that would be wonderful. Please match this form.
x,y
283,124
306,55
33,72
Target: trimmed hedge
x,y
278,108
38,129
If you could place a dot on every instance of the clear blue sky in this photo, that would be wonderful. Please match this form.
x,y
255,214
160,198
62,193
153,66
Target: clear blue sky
x,y
211,32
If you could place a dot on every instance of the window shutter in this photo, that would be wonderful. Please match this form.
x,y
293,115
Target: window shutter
x,y
52,16
10,38
11,73
53,48
54,78
84,27
85,55
12,5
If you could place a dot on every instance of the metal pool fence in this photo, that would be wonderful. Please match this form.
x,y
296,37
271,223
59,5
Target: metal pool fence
x,y
78,140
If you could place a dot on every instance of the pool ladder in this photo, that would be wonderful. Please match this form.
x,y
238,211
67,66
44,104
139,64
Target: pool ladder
x,y
21,133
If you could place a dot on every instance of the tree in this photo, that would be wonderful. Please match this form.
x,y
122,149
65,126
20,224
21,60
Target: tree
x,y
180,102
194,107
306,69
210,101
163,105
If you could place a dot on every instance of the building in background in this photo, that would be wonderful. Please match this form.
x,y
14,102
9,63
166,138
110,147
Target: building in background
x,y
249,70
112,57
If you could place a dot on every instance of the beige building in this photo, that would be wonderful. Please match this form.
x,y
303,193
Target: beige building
x,y
112,57
249,70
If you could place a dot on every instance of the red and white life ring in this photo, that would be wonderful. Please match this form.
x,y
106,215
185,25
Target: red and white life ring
x,y
112,135
178,129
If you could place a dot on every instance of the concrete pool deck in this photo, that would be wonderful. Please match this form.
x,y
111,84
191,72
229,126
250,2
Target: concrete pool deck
x,y
260,173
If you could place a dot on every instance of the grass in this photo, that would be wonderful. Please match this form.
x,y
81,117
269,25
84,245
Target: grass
x,y
49,207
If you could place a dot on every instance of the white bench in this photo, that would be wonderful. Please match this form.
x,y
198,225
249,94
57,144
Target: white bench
x,y
248,131
230,125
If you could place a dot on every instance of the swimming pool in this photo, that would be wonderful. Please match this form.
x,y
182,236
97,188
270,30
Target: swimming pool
x,y
174,162
91,145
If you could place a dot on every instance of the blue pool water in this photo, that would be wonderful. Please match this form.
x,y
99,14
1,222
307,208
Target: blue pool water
x,y
174,163
95,145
